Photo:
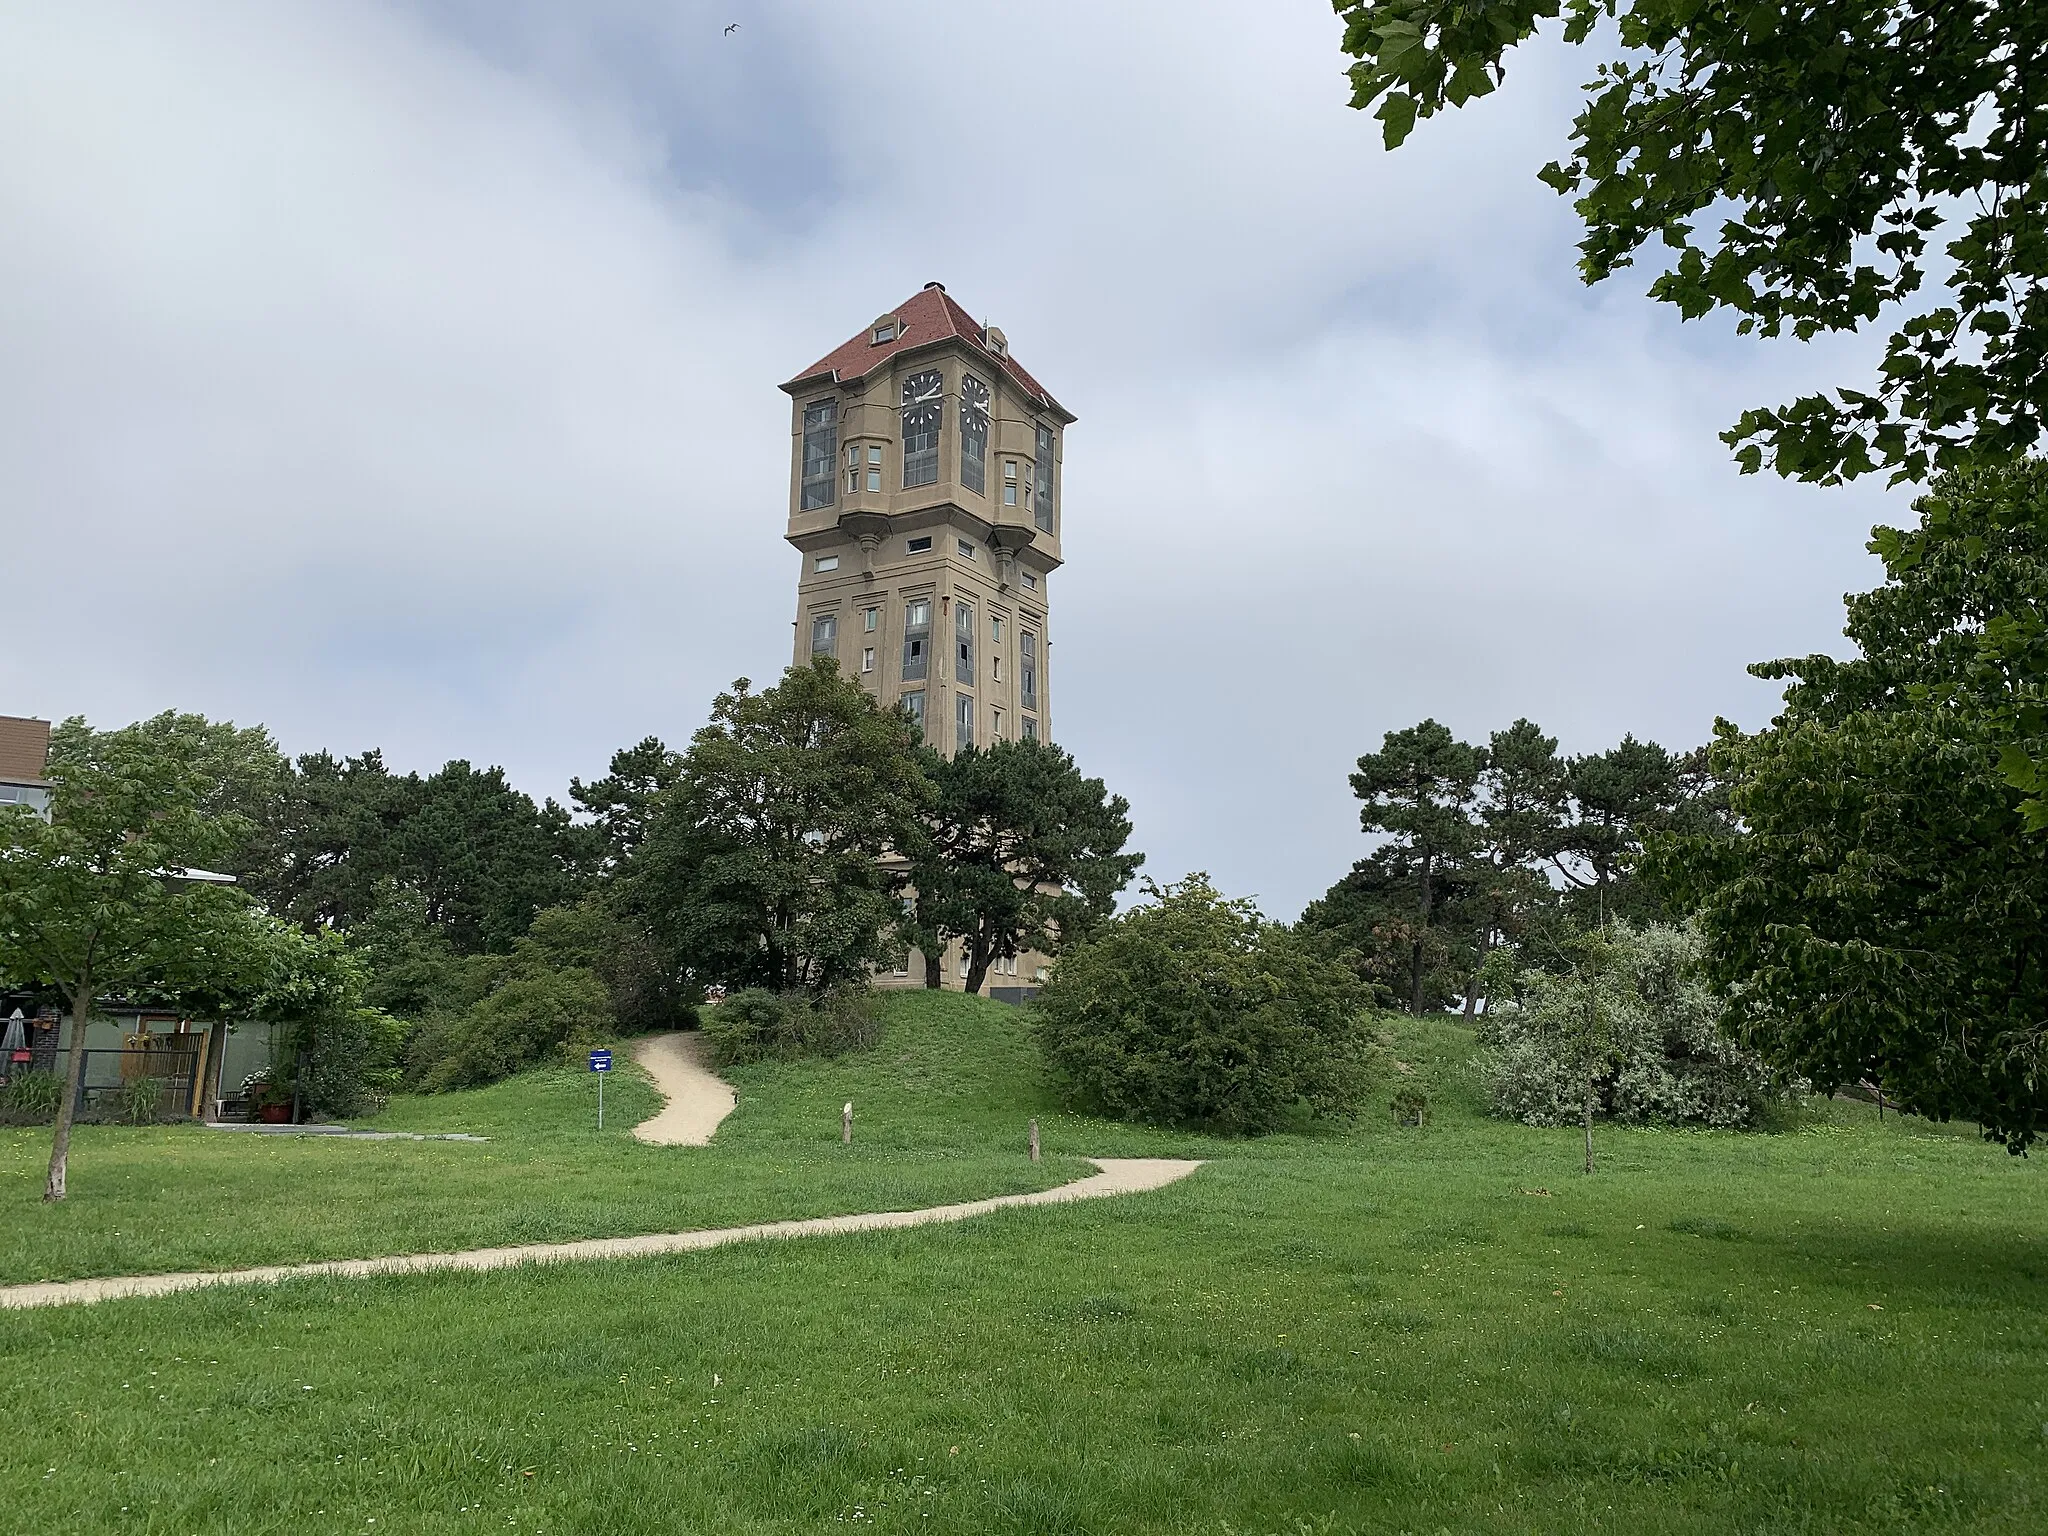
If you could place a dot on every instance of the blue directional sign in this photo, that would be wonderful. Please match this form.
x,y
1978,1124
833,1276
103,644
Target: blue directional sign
x,y
600,1061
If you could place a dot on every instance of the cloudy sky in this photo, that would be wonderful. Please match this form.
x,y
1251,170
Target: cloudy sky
x,y
404,375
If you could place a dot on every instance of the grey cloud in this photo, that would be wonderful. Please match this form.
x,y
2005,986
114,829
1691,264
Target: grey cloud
x,y
406,377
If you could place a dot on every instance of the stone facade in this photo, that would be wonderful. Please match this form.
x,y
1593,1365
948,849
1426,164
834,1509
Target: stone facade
x,y
925,501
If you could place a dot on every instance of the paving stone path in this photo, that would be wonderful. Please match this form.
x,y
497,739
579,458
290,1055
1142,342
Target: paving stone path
x,y
1113,1176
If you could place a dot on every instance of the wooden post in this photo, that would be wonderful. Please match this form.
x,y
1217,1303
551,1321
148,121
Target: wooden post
x,y
846,1123
1034,1139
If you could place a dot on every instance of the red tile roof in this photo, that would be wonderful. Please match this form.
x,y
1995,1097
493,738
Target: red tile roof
x,y
930,315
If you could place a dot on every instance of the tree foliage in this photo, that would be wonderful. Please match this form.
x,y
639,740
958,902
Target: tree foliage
x,y
1195,1010
763,863
1640,1028
93,903
1485,846
1811,163
1880,916
1017,851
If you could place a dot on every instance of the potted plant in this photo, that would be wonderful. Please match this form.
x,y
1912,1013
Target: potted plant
x,y
269,1099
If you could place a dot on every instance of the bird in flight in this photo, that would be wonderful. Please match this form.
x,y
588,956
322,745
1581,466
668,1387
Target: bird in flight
x,y
732,29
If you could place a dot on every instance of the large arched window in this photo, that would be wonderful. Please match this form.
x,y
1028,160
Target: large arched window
x,y
821,449
1042,472
974,402
924,411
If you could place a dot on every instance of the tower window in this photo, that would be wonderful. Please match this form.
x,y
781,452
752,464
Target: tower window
x,y
852,482
885,329
974,401
919,546
924,411
825,563
917,638
874,454
1030,729
867,658
1030,582
821,447
874,479
870,619
1027,675
1009,482
964,719
963,643
995,629
912,704
1043,471
995,730
966,550
995,666
825,635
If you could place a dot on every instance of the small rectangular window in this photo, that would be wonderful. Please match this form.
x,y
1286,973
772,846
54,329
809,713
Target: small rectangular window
x,y
885,331
1030,729
852,482
963,644
1010,495
912,705
853,455
1027,665
995,667
919,546
964,718
867,658
870,619
995,630
874,479
966,550
824,634
825,563
874,455
917,635
995,732
1030,582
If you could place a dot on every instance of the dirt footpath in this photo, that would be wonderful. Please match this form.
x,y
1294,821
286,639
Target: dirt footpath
x,y
697,1101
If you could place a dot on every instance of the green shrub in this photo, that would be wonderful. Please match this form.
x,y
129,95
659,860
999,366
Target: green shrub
x,y
141,1099
1661,1056
32,1097
1196,1010
759,1025
529,1019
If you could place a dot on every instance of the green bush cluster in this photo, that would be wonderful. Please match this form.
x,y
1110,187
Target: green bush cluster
x,y
31,1098
1650,1021
527,1019
1195,1010
759,1025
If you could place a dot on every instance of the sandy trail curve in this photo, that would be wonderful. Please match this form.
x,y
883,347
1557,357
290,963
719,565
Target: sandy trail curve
x,y
697,1101
1114,1176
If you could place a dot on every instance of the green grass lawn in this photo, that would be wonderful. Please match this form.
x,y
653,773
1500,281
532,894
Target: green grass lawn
x,y
942,1116
1836,1327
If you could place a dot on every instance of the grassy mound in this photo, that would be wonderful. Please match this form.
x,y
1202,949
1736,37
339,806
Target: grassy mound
x,y
942,1108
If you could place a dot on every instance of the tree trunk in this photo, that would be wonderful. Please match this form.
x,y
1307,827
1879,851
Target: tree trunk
x,y
1415,955
935,968
978,960
1592,1055
74,1072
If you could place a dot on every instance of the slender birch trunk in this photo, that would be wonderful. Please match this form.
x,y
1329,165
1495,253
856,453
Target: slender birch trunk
x,y
74,1072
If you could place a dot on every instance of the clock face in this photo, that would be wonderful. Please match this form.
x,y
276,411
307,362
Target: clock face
x,y
974,394
923,388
